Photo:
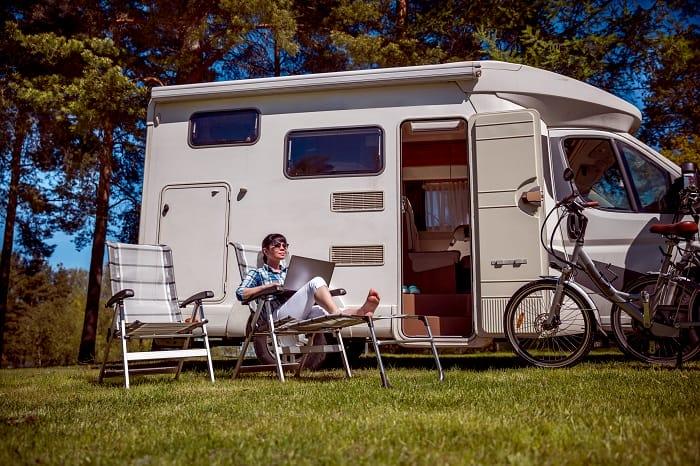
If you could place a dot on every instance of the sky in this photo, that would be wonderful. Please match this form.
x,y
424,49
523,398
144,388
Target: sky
x,y
67,254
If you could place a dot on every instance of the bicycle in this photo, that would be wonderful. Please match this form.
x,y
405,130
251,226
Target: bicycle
x,y
551,323
672,292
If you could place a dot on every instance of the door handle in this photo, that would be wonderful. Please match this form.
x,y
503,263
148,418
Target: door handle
x,y
165,210
514,262
533,196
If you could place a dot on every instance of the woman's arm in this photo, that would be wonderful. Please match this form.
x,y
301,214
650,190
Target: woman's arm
x,y
251,284
248,292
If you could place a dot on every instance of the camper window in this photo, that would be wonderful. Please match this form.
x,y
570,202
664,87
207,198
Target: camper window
x,y
334,152
446,205
597,173
224,128
651,182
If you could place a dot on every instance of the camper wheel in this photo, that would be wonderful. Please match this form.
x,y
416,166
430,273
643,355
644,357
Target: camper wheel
x,y
262,345
265,352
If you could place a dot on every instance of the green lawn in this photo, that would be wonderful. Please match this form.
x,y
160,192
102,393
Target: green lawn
x,y
488,411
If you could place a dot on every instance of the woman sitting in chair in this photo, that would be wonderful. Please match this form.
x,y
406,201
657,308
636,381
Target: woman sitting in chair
x,y
311,300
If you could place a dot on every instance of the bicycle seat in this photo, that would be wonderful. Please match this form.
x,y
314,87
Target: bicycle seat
x,y
686,229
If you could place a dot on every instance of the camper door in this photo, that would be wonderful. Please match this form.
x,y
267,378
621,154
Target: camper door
x,y
193,222
507,213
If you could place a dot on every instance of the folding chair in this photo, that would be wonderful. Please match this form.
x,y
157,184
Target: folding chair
x,y
262,324
146,307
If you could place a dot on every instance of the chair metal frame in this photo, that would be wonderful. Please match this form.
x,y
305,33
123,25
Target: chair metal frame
x,y
125,330
262,323
263,313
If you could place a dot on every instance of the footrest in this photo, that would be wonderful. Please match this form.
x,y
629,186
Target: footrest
x,y
170,354
316,324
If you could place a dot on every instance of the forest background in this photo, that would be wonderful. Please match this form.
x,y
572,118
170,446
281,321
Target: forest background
x,y
75,77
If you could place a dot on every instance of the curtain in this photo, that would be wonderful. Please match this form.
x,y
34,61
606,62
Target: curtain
x,y
446,205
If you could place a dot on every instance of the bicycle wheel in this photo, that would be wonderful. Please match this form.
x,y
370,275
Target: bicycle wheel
x,y
561,345
639,343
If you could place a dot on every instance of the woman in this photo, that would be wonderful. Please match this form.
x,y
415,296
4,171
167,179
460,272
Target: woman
x,y
311,300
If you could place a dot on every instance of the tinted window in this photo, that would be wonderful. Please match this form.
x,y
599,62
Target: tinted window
x,y
356,151
651,183
224,128
598,176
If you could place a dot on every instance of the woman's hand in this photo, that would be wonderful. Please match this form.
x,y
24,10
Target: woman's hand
x,y
248,292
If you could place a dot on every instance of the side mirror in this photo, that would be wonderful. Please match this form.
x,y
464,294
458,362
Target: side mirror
x,y
568,174
690,178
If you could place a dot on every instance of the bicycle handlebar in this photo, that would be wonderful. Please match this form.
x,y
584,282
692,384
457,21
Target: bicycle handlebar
x,y
575,203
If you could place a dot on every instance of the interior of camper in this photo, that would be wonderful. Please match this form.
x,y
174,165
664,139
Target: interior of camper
x,y
436,232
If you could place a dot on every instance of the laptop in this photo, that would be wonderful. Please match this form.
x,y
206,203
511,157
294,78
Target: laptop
x,y
302,269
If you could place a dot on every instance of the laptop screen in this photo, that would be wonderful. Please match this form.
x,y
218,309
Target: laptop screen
x,y
302,269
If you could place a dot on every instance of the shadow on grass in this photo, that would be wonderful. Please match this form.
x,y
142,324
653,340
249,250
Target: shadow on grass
x,y
475,362
469,362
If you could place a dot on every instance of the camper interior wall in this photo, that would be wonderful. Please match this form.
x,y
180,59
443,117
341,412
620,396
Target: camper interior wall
x,y
436,257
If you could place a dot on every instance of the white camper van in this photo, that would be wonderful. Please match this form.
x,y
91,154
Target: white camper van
x,y
428,183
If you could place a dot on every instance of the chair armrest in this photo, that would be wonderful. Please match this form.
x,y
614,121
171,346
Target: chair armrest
x,y
120,296
261,294
197,297
339,292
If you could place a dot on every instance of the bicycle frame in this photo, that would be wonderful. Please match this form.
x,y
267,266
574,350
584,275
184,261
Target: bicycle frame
x,y
624,300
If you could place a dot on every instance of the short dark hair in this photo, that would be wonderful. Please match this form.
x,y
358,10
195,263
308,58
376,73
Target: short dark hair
x,y
269,239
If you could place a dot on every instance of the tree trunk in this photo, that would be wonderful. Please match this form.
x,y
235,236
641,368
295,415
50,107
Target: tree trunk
x,y
86,353
401,12
9,235
276,52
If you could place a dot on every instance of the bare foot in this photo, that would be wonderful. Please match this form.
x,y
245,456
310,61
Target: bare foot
x,y
370,304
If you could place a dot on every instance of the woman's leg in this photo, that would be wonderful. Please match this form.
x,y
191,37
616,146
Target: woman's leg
x,y
325,300
370,304
301,305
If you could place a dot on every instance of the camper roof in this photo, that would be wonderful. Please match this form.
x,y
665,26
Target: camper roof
x,y
561,101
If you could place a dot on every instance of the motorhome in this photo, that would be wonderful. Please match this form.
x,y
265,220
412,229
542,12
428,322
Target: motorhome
x,y
429,183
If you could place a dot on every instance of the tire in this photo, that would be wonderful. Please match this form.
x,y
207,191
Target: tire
x,y
566,343
265,353
262,345
639,343
354,349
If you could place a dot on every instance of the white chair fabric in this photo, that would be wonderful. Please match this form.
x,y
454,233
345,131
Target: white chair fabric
x,y
146,306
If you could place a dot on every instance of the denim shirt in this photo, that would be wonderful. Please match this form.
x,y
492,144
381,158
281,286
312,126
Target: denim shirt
x,y
262,276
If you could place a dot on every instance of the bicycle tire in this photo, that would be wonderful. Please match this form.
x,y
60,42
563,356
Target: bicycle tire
x,y
639,343
565,344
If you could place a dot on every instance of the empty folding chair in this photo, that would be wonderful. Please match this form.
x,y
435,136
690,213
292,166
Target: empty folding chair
x,y
146,307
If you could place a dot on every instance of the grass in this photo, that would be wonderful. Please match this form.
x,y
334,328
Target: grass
x,y
488,411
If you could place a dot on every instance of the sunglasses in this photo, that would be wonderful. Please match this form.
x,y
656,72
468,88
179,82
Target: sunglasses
x,y
280,244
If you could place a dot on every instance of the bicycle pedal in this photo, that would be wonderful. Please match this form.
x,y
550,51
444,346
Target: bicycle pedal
x,y
652,347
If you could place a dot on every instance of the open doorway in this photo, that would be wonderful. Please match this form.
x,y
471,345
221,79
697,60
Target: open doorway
x,y
436,232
